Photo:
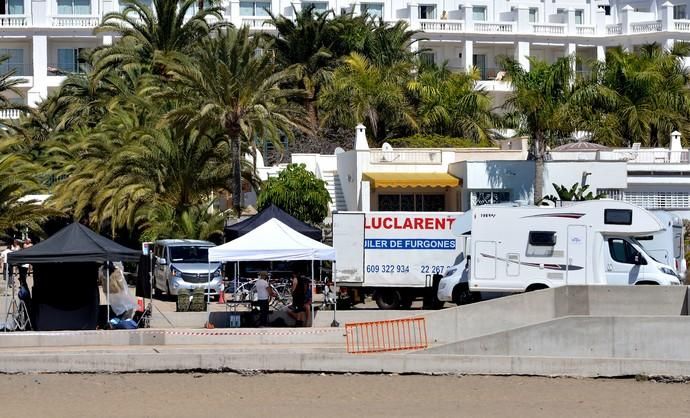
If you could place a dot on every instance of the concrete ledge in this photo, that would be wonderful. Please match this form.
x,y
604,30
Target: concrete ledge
x,y
648,337
224,359
519,310
323,319
161,337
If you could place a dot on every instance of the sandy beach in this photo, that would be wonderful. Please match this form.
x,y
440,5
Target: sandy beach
x,y
301,395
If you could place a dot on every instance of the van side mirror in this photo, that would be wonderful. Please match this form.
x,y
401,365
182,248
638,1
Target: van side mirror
x,y
162,261
639,260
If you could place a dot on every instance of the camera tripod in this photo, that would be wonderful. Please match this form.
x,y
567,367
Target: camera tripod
x,y
17,315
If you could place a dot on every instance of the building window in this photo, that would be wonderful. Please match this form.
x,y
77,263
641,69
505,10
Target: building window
x,y
490,197
372,9
427,11
249,8
533,14
579,17
427,58
479,62
412,202
15,62
11,7
479,13
148,3
607,10
74,7
679,12
319,7
70,60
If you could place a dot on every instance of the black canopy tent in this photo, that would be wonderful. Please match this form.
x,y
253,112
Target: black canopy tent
x,y
237,230
75,252
74,243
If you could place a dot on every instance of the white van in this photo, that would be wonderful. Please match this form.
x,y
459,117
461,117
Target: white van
x,y
519,249
667,246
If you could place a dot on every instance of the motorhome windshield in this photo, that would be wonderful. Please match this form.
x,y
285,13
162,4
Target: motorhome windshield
x,y
189,254
641,248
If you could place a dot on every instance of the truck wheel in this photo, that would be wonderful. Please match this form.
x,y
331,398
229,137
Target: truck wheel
x,y
406,301
462,294
387,299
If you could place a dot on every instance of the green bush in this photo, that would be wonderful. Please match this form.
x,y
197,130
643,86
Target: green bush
x,y
298,192
436,141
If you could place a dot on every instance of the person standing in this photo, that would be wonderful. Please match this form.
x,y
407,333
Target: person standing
x,y
298,300
263,293
24,268
4,261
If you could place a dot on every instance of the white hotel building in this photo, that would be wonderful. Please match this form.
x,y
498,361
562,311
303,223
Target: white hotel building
x,y
44,37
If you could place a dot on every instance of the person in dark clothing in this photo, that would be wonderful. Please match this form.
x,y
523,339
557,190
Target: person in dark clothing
x,y
298,300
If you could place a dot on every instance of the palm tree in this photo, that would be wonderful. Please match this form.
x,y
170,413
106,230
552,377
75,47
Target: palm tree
x,y
540,106
228,84
151,35
116,172
304,45
196,222
18,178
363,92
450,104
9,84
639,96
389,44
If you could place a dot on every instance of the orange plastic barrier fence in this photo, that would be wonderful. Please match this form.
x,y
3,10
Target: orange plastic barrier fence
x,y
382,336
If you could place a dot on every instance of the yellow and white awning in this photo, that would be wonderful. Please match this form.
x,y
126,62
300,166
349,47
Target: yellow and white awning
x,y
382,180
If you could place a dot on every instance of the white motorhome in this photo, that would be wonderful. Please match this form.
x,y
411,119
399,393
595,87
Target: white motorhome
x,y
394,256
517,249
667,246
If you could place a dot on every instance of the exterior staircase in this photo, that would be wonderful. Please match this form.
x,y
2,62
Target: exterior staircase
x,y
334,189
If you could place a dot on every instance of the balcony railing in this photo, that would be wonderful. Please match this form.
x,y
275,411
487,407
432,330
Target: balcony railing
x,y
74,21
427,156
10,114
616,29
491,74
585,30
441,25
58,70
648,156
682,25
256,22
644,27
13,21
20,70
494,27
549,28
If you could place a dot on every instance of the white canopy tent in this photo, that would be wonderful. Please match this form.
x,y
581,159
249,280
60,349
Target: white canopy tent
x,y
272,241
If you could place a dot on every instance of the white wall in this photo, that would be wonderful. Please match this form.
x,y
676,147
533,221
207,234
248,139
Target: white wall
x,y
514,176
605,174
347,171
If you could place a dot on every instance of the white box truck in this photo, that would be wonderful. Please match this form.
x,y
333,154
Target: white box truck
x,y
515,249
394,256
